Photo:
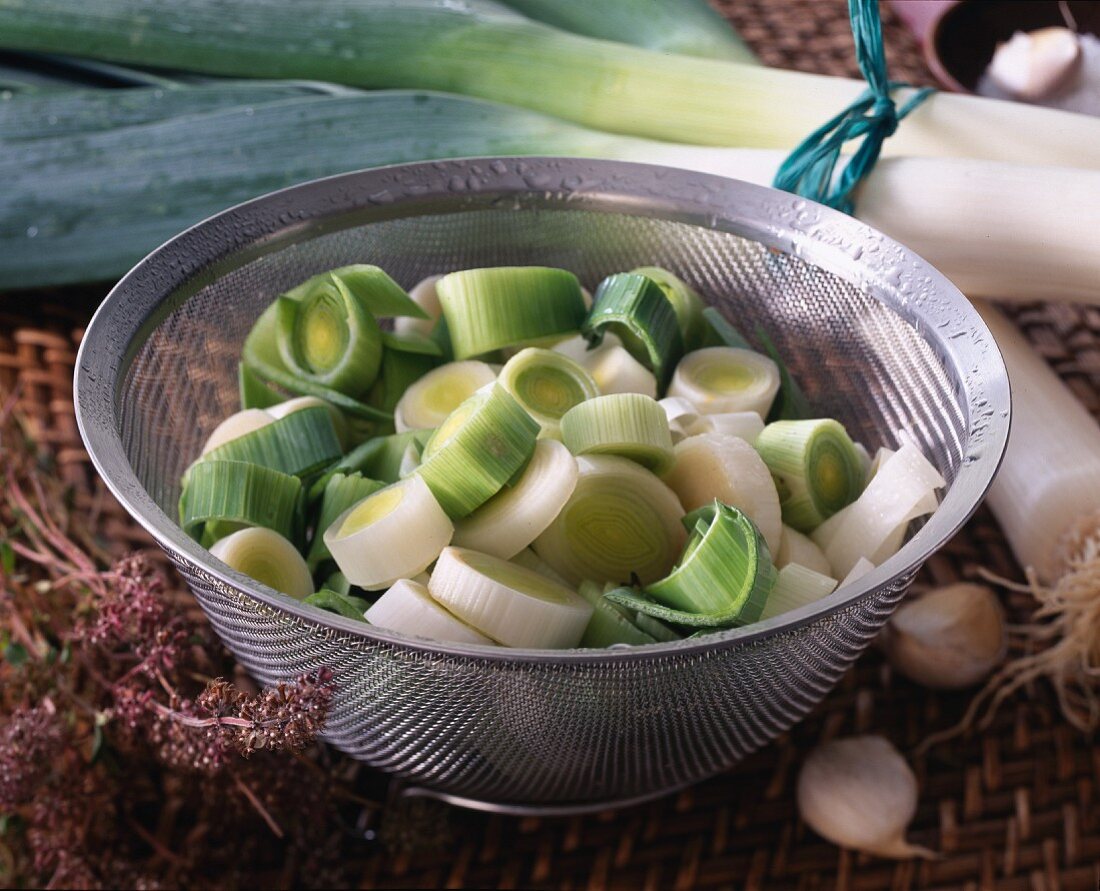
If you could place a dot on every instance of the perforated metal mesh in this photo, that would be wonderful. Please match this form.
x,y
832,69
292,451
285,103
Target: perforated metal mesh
x,y
529,731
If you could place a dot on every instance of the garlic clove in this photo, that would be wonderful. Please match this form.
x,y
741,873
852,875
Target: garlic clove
x,y
859,793
1031,65
948,639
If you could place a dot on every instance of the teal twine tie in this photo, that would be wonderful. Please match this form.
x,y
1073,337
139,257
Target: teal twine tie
x,y
809,170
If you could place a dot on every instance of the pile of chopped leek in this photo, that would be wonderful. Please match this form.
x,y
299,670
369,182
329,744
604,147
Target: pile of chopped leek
x,y
499,458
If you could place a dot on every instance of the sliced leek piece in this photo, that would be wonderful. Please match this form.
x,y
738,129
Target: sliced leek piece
x,y
794,547
289,406
347,605
267,557
408,608
341,492
378,458
379,294
401,369
816,467
253,391
299,444
746,425
621,523
512,605
626,424
792,404
372,542
326,335
724,379
582,350
528,559
487,309
902,489
681,414
424,295
514,517
477,449
237,424
723,579
635,308
861,567
715,465
233,494
686,303
547,385
616,371
655,628
410,460
796,586
609,624
720,332
427,403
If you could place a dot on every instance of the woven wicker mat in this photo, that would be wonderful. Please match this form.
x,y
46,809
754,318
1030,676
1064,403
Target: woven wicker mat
x,y
1013,808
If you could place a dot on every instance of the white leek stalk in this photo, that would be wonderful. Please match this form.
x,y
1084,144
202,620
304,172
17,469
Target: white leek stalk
x,y
236,425
896,495
621,521
528,559
612,368
512,605
794,547
268,558
713,465
681,415
427,403
547,385
859,570
746,425
796,586
408,608
725,379
372,542
513,518
424,295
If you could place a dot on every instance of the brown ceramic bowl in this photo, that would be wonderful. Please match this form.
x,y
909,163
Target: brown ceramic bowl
x,y
960,43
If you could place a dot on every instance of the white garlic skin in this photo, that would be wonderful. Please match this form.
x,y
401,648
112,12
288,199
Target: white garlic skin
x,y
1032,65
859,793
948,639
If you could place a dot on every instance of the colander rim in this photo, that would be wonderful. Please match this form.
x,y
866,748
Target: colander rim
x,y
816,234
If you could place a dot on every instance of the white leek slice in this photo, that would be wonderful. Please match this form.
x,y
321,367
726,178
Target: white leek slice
x,y
427,403
514,517
679,410
900,487
616,371
621,521
512,605
796,586
726,379
715,465
528,559
580,349
236,425
876,462
858,571
421,578
394,533
407,607
424,295
746,425
547,385
410,460
794,547
267,557
627,424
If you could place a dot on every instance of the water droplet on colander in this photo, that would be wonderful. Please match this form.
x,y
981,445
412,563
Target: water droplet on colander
x,y
32,231
537,180
572,182
498,166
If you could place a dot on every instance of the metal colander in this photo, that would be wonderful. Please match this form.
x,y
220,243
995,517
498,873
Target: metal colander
x,y
876,337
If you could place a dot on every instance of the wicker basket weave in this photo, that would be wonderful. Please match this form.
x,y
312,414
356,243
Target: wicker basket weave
x,y
1013,808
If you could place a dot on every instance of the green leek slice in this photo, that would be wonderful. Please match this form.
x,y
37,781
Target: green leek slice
x,y
479,447
237,424
299,444
487,309
233,494
428,402
269,558
347,605
547,384
620,523
686,303
609,624
635,308
816,467
626,424
723,579
512,605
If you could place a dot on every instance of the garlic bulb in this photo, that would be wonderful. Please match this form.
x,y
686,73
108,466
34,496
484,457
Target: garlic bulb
x,y
859,793
952,637
1032,65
